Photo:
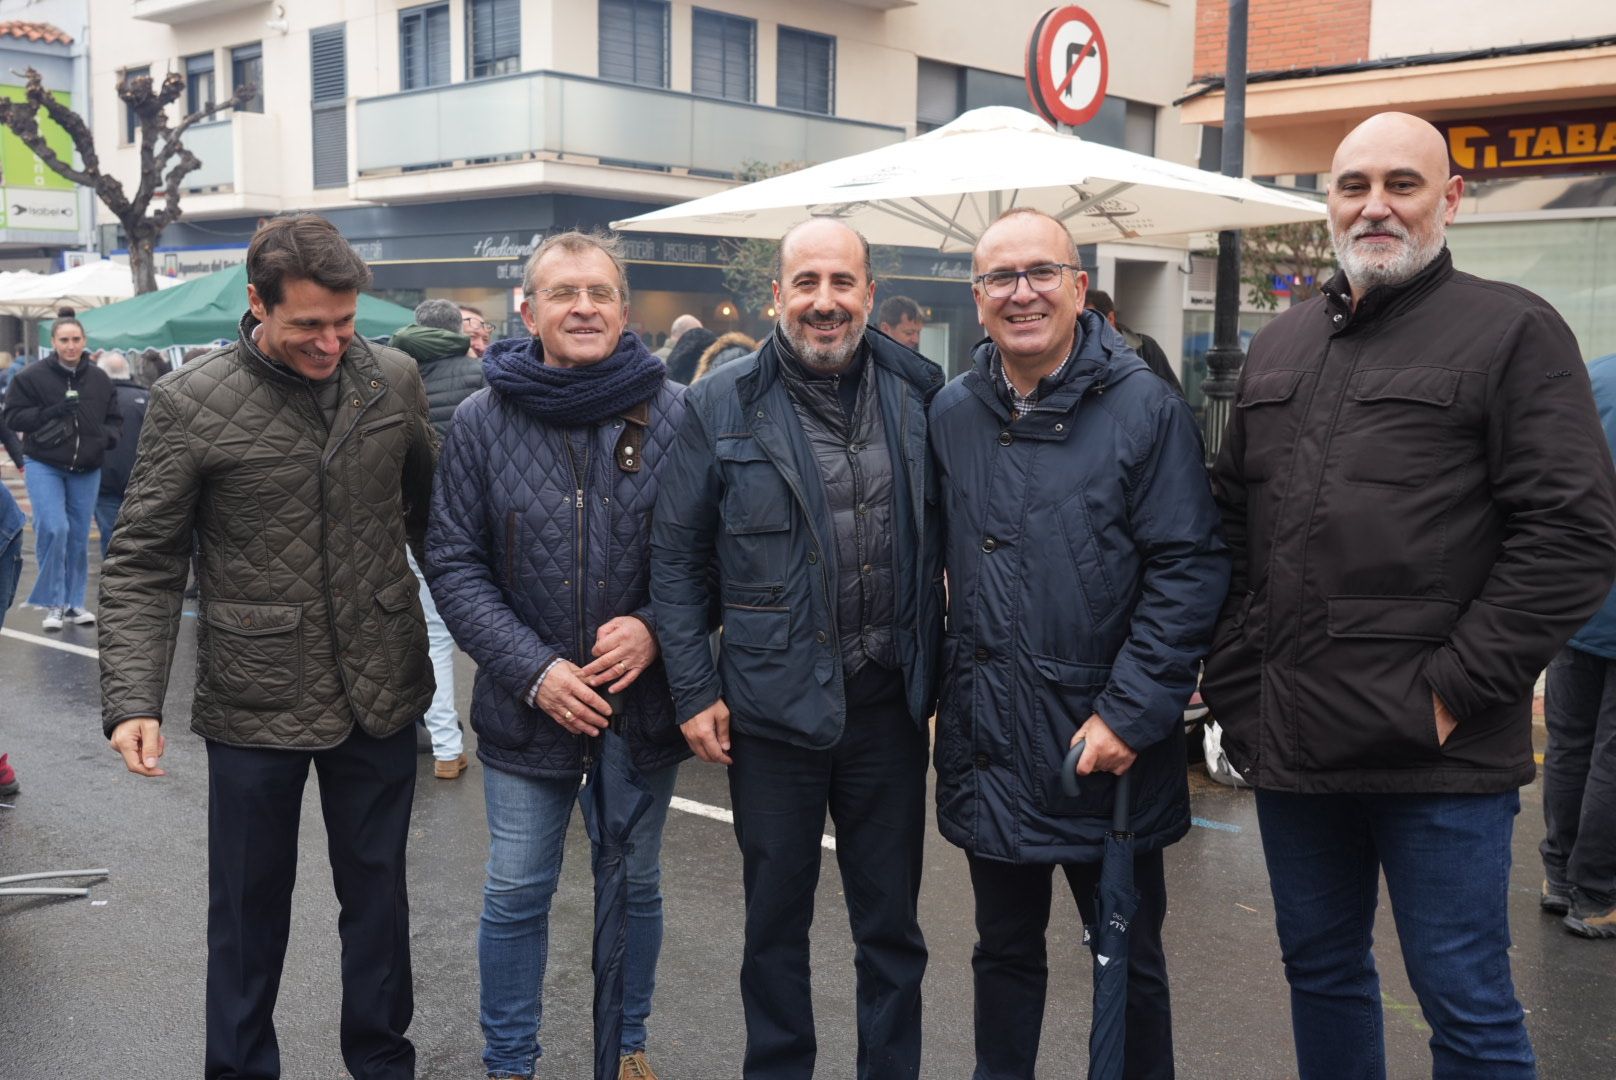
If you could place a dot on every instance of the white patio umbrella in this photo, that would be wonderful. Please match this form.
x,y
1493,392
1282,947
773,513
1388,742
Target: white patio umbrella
x,y
86,286
942,189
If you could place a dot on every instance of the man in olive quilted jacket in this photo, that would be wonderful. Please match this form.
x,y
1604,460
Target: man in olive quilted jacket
x,y
299,457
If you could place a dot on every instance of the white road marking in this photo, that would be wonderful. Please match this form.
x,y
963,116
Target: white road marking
x,y
683,805
50,643
718,813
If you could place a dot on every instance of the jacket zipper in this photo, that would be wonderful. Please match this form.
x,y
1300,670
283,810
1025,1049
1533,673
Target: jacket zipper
x,y
580,479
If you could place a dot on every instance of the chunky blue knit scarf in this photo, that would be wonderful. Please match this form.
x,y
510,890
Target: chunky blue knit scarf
x,y
569,397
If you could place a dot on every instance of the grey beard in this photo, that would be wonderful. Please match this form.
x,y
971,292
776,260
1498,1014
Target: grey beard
x,y
1364,274
824,361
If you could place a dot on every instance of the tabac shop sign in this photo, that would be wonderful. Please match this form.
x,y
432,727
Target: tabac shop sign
x,y
1533,144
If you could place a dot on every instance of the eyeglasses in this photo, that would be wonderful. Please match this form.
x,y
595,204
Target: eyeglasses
x,y
566,294
999,284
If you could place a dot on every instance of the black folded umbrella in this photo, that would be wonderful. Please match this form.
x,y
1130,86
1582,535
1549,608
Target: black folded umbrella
x,y
614,799
1115,902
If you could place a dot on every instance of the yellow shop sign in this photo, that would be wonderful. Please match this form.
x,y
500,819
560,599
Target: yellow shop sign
x,y
1533,144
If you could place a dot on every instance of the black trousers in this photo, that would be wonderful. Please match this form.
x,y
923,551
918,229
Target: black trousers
x,y
873,782
1012,971
254,801
1579,776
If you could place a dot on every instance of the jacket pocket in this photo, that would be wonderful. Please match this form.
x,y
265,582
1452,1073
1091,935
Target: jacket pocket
x,y
403,632
254,653
1063,700
1271,417
1398,426
748,626
1088,558
756,499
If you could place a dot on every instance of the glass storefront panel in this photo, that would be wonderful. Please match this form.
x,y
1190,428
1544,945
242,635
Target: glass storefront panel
x,y
1570,262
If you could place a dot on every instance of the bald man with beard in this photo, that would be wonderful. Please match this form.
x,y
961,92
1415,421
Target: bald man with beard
x,y
1420,504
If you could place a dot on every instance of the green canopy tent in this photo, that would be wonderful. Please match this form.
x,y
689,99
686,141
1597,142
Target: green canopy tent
x,y
202,311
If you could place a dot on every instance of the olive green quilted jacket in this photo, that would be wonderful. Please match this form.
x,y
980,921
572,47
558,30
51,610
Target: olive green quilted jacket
x,y
309,619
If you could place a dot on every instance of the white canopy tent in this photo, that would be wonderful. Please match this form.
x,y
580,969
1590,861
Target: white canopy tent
x,y
942,189
89,285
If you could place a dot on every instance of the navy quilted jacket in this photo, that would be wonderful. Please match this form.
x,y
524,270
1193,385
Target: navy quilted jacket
x,y
522,574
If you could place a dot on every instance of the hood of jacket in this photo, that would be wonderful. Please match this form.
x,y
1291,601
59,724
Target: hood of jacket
x,y
428,343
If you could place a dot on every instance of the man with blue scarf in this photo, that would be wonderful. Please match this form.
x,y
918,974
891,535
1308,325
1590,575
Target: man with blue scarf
x,y
537,556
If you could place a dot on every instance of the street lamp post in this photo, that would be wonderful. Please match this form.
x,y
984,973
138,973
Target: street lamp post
x,y
1223,360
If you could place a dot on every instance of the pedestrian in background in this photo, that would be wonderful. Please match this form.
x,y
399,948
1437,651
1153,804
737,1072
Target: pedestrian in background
x,y
1421,508
476,328
302,458
901,319
801,476
450,374
67,414
1579,763
1147,348
1085,572
685,355
681,326
12,521
538,559
120,460
730,346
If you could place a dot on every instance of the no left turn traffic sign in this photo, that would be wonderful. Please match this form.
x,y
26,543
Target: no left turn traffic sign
x,y
1067,66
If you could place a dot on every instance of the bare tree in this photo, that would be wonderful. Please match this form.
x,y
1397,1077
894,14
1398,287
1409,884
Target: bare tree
x,y
1301,253
164,160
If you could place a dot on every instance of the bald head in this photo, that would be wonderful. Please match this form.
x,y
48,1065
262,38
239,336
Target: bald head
x,y
820,230
1391,200
1413,141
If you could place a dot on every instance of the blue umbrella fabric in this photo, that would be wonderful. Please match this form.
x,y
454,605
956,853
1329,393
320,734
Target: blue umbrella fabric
x,y
613,801
1115,903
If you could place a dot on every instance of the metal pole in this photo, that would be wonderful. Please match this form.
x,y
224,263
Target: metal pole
x,y
1223,360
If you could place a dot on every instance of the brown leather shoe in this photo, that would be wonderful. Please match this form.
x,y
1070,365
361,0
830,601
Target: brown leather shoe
x,y
450,770
635,1067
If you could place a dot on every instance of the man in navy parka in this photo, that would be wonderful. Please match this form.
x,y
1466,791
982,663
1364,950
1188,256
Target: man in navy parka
x,y
1085,572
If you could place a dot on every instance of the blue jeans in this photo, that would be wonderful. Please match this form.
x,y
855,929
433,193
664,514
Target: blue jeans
x,y
527,825
106,517
1447,862
442,721
62,503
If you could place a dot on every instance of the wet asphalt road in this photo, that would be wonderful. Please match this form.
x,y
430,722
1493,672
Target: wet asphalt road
x,y
114,988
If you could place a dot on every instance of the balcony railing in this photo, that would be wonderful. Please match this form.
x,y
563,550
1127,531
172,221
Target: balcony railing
x,y
543,112
238,154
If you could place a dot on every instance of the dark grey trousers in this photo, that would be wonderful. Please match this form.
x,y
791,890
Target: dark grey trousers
x,y
1579,775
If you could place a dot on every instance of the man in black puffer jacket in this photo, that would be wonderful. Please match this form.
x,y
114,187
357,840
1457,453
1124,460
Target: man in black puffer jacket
x,y
539,558
450,374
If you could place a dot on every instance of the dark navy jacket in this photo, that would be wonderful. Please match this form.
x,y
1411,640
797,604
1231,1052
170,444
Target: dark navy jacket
x,y
521,574
1085,573
741,494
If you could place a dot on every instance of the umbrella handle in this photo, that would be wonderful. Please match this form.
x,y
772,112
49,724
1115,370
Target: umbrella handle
x,y
1124,792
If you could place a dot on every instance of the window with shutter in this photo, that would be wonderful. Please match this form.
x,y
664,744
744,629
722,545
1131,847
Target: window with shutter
x,y
723,50
634,41
493,37
423,47
130,123
328,78
806,77
199,93
247,69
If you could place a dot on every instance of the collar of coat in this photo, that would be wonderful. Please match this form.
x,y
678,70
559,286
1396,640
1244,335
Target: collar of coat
x,y
1382,301
1099,360
921,374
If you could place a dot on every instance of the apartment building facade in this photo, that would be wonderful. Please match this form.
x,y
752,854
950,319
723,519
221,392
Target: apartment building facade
x,y
446,138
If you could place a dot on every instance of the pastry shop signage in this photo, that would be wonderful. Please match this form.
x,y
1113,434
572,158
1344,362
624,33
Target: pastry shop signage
x,y
1533,144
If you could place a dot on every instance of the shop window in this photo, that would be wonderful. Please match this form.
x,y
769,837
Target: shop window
x,y
634,41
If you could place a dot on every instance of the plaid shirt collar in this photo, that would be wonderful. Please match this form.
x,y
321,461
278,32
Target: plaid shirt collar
x,y
1022,404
